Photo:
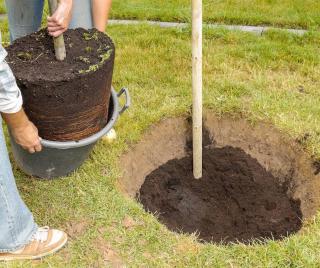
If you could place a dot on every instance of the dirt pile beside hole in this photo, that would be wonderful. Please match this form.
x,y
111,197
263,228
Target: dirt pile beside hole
x,y
236,200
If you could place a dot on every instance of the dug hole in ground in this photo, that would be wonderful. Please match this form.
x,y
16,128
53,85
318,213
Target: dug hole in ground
x,y
257,183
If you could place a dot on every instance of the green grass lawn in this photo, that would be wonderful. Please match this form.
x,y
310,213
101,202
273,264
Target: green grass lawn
x,y
285,13
2,7
257,77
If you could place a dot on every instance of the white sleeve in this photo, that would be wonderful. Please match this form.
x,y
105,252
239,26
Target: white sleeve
x,y
10,95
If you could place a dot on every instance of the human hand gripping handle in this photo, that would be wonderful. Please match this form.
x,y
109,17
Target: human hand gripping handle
x,y
58,23
23,130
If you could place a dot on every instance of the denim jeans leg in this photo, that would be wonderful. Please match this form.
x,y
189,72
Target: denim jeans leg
x,y
24,17
81,15
16,221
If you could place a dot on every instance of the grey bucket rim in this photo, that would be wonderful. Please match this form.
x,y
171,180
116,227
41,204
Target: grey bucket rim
x,y
94,138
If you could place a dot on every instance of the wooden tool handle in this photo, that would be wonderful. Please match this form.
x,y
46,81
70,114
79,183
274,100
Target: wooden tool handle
x,y
197,87
59,46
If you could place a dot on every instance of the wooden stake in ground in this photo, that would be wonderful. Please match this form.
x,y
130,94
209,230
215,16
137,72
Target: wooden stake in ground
x,y
59,46
197,87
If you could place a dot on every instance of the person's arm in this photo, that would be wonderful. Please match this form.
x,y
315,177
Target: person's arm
x,y
100,13
59,21
23,131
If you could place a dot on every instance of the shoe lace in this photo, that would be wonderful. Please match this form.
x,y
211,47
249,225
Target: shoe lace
x,y
41,235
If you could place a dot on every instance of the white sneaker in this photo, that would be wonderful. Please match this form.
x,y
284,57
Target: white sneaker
x,y
44,242
110,136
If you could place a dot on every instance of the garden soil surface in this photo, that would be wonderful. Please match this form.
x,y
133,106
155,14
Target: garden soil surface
x,y
235,200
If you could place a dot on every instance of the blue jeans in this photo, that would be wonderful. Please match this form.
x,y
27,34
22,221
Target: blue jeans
x,y
25,16
16,221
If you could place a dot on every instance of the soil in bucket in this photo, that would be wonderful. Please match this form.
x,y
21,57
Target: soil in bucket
x,y
66,100
236,199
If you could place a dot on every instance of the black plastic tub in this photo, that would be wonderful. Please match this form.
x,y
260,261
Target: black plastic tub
x,y
58,159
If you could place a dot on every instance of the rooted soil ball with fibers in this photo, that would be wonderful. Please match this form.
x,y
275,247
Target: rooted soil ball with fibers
x,y
67,100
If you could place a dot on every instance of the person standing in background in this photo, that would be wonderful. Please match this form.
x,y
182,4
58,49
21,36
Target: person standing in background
x,y
25,16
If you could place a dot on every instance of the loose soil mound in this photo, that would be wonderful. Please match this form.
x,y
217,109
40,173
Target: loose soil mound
x,y
236,200
67,100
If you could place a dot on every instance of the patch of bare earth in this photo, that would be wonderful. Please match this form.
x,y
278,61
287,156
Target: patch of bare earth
x,y
77,228
109,256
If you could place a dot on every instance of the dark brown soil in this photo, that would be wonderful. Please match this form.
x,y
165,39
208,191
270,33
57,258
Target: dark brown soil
x,y
236,200
66,100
